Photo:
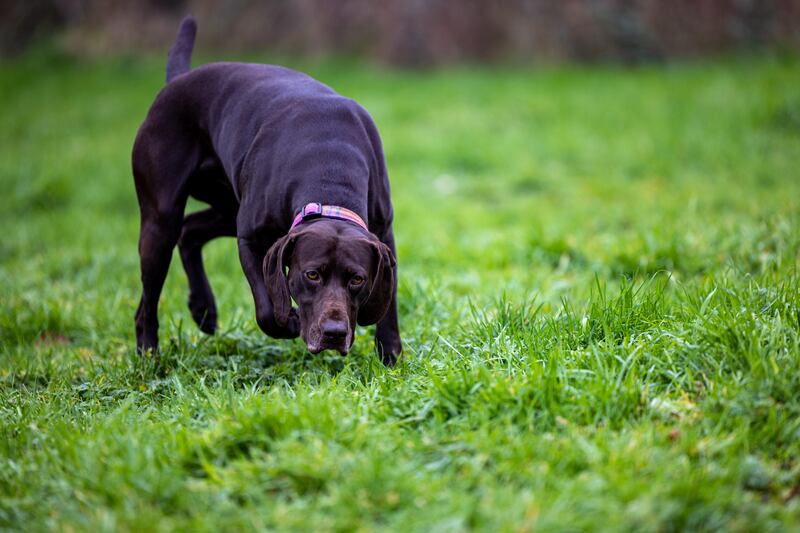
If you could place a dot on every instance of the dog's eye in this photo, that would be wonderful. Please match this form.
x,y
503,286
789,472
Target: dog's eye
x,y
357,280
313,275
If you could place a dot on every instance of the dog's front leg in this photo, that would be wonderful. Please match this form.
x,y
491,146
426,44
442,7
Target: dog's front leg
x,y
387,331
251,256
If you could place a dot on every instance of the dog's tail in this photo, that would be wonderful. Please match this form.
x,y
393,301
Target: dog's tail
x,y
179,59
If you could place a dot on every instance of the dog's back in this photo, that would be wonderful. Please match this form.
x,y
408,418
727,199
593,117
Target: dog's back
x,y
234,108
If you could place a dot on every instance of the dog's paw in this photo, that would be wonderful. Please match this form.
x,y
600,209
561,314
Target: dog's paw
x,y
203,313
389,349
270,326
293,324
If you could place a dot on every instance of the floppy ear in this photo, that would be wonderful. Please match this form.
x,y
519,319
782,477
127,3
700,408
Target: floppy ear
x,y
275,277
380,294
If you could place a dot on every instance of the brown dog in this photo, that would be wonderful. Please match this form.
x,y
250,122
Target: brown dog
x,y
295,172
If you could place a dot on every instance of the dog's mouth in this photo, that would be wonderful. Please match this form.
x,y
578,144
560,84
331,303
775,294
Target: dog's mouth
x,y
317,342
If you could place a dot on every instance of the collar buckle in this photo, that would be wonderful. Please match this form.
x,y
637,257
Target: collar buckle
x,y
312,210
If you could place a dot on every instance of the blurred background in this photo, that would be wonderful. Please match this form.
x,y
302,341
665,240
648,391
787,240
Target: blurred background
x,y
413,33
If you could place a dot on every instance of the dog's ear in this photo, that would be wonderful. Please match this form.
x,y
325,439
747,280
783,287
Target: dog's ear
x,y
380,293
275,277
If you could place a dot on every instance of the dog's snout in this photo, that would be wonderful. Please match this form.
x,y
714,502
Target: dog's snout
x,y
334,329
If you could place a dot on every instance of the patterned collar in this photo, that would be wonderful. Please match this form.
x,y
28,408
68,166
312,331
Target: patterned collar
x,y
317,210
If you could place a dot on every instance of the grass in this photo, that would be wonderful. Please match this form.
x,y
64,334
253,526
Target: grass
x,y
599,297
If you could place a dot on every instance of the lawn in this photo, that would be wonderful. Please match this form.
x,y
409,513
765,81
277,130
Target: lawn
x,y
599,299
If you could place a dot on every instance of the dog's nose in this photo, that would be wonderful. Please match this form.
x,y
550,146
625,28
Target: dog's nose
x,y
334,330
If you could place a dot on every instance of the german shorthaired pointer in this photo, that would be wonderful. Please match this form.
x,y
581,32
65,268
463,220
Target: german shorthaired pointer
x,y
291,169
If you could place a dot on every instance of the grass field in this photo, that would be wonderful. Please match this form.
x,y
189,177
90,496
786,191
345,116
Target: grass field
x,y
599,296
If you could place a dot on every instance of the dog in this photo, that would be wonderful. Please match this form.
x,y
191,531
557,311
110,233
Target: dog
x,y
290,168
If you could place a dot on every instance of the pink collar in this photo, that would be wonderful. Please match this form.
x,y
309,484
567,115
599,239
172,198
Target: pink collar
x,y
317,210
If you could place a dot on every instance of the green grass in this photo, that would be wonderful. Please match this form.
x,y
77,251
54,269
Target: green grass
x,y
599,296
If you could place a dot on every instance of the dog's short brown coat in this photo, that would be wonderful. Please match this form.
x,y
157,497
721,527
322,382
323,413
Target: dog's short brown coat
x,y
257,143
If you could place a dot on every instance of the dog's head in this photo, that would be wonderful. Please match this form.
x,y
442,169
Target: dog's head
x,y
338,274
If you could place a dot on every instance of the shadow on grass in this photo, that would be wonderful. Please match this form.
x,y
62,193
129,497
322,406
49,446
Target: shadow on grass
x,y
243,359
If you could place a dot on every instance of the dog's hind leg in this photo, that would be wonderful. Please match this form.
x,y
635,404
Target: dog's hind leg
x,y
198,229
158,235
162,165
